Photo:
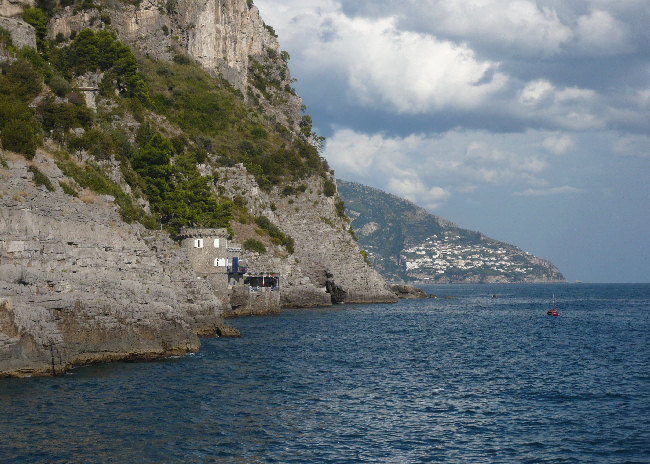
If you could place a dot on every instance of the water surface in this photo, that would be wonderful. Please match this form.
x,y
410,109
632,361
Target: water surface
x,y
469,379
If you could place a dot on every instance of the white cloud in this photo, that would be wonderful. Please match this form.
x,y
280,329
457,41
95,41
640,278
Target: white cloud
x,y
384,66
598,33
521,26
410,72
536,92
531,192
376,63
426,168
558,144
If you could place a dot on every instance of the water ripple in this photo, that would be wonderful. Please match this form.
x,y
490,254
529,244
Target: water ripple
x,y
471,379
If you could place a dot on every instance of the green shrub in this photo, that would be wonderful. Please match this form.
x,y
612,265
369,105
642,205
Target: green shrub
x,y
59,85
340,208
5,38
38,19
181,59
277,236
23,80
329,188
20,136
68,188
254,245
90,51
40,178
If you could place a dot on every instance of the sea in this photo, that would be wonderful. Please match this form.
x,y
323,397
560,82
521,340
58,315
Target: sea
x,y
480,374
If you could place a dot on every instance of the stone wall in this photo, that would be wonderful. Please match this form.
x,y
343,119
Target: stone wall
x,y
78,285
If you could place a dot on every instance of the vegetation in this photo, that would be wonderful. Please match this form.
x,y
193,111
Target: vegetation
x,y
236,133
90,51
91,176
254,245
277,236
177,193
68,188
20,83
37,18
40,178
329,188
159,164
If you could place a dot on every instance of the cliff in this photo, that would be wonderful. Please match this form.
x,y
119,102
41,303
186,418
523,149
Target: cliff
x,y
109,150
227,38
326,266
78,285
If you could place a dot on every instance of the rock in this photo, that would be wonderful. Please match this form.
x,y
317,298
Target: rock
x,y
22,34
228,331
78,285
407,291
326,266
222,36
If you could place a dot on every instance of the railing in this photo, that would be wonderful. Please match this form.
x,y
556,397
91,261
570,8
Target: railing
x,y
252,289
236,270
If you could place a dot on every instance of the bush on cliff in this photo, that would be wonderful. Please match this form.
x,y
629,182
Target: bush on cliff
x,y
254,245
38,19
177,193
277,236
90,51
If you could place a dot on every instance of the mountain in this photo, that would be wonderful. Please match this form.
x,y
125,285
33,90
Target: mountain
x,y
123,123
406,243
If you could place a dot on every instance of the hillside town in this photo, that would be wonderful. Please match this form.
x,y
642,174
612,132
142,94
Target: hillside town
x,y
447,254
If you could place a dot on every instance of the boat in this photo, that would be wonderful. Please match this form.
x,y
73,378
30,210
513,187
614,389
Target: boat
x,y
553,311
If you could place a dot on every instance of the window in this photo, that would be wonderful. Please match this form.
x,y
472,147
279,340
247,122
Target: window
x,y
198,243
216,243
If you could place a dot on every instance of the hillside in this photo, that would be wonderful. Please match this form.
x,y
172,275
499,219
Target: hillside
x,y
122,123
405,242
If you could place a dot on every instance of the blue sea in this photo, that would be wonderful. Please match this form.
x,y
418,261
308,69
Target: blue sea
x,y
475,378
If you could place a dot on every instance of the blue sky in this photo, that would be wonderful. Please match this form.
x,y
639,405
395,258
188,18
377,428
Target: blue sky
x,y
526,120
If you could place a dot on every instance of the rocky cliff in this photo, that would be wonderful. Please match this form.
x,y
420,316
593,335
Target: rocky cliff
x,y
326,266
80,279
78,285
227,38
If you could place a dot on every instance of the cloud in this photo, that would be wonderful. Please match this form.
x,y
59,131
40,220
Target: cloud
x,y
520,26
406,71
378,64
531,192
632,145
598,33
430,169
558,144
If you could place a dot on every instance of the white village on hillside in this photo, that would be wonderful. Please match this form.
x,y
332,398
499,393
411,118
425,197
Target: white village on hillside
x,y
438,255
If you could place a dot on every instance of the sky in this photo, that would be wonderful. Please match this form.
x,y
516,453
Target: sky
x,y
528,120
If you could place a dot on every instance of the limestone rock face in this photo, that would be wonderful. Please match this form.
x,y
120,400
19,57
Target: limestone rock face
x,y
326,266
14,7
222,36
22,34
78,285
